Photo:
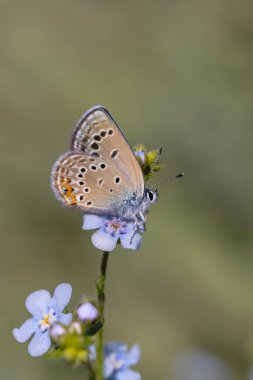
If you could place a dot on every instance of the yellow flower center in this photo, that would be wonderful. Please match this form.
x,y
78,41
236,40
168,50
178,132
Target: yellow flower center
x,y
47,320
116,226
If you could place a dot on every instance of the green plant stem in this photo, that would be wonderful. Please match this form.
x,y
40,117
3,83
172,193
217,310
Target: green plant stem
x,y
92,375
101,304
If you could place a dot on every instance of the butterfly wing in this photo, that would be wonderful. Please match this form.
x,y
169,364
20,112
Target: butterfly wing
x,y
101,171
97,134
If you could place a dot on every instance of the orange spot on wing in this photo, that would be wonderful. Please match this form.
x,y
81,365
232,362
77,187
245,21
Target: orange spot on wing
x,y
67,192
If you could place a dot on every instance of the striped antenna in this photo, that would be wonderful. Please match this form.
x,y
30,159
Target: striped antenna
x,y
169,179
152,167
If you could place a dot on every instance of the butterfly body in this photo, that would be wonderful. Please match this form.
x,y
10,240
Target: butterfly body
x,y
100,174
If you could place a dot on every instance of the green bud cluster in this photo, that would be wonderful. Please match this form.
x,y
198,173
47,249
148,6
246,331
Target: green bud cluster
x,y
148,160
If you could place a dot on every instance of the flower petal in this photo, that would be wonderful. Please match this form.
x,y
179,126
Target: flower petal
x,y
133,356
104,241
65,319
61,297
39,344
92,352
141,155
128,374
37,303
126,241
108,368
91,222
115,346
26,330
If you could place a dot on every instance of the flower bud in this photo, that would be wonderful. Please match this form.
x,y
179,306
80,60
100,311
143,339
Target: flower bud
x,y
87,312
75,327
57,331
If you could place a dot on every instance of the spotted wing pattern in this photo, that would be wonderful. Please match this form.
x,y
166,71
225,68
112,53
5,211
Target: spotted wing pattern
x,y
101,170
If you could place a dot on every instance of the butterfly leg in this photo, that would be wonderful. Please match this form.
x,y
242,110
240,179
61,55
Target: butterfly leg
x,y
138,224
135,227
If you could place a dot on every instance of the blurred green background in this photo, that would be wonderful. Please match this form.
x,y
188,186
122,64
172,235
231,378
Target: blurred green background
x,y
172,73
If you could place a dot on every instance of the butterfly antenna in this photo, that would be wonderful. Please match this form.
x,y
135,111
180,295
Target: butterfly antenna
x,y
169,179
152,167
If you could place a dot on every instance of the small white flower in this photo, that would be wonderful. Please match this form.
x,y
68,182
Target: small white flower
x,y
46,311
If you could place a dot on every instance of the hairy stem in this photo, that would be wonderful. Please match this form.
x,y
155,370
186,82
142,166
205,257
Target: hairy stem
x,y
101,304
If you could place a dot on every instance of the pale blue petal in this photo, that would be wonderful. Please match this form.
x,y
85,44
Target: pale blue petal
x,y
108,367
126,241
92,222
133,356
92,352
65,319
39,344
61,297
26,330
141,155
104,241
115,346
128,374
37,303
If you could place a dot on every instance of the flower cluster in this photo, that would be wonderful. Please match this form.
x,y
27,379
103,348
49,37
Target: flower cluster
x,y
72,336
75,342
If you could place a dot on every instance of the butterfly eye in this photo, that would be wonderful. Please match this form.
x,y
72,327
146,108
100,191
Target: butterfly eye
x,y
152,196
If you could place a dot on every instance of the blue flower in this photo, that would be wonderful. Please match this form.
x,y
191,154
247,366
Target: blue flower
x,y
118,359
46,311
110,231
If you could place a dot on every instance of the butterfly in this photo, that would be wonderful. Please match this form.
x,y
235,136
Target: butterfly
x,y
100,174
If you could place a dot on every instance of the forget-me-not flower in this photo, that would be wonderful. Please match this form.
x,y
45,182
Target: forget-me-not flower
x,y
118,359
46,311
110,230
